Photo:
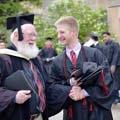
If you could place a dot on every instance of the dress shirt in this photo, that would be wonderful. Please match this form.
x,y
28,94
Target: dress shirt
x,y
76,49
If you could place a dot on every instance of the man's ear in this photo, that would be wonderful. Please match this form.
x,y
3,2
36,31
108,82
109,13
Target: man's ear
x,y
15,37
16,34
73,33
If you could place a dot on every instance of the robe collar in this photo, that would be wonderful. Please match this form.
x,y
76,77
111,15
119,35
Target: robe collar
x,y
12,51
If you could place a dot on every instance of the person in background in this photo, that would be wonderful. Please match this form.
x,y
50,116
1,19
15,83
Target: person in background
x,y
93,41
48,53
111,51
22,55
91,102
117,74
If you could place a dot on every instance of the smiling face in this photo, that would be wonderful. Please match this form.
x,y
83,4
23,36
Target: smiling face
x,y
29,34
67,29
106,37
65,35
27,46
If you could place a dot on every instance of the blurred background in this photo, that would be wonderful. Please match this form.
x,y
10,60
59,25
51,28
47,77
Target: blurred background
x,y
93,15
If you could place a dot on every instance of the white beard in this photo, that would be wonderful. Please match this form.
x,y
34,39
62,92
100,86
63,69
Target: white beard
x,y
29,51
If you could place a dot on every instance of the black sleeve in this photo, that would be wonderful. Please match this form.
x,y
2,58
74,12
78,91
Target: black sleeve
x,y
115,47
6,96
102,92
58,90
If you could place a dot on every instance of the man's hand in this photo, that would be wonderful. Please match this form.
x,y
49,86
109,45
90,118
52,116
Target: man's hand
x,y
76,93
74,81
76,77
22,96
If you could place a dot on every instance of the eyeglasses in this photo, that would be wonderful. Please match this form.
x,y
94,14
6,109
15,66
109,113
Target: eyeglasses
x,y
30,34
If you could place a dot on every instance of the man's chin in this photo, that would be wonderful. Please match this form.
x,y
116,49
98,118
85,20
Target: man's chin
x,y
31,44
30,55
30,51
63,43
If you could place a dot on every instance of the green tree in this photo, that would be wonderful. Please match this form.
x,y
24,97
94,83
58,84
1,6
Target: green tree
x,y
12,8
8,8
89,19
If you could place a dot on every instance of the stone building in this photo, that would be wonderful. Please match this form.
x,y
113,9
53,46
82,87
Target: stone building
x,y
113,10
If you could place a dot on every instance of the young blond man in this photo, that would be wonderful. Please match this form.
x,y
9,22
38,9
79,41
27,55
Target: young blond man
x,y
91,102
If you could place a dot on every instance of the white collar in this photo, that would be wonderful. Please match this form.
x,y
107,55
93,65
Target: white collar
x,y
76,49
12,53
90,42
77,46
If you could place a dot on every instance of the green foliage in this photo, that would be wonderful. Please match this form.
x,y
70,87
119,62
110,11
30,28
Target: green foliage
x,y
8,8
12,8
89,19
44,30
36,2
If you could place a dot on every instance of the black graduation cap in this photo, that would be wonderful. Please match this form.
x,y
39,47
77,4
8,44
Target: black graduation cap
x,y
89,75
17,21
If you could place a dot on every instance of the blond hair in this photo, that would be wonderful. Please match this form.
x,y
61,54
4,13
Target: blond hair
x,y
69,21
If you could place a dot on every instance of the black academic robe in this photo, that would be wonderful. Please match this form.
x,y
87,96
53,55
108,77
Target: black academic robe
x,y
9,110
48,53
117,72
45,54
97,106
111,50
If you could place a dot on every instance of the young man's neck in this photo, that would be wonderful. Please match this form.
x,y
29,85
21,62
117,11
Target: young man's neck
x,y
73,44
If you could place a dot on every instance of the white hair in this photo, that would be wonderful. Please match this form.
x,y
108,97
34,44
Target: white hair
x,y
12,35
23,27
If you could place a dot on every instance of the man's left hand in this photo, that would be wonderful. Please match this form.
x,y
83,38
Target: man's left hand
x,y
76,93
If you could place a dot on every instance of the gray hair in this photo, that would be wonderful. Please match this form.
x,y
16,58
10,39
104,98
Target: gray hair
x,y
12,35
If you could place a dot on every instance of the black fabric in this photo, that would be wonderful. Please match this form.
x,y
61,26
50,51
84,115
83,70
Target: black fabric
x,y
23,19
89,78
58,94
97,101
9,110
17,21
47,55
17,81
111,51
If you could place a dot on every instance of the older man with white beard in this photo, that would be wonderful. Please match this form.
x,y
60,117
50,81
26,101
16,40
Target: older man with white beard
x,y
23,79
27,47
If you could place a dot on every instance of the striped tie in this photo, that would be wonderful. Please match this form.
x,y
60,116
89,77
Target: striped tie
x,y
40,87
73,58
